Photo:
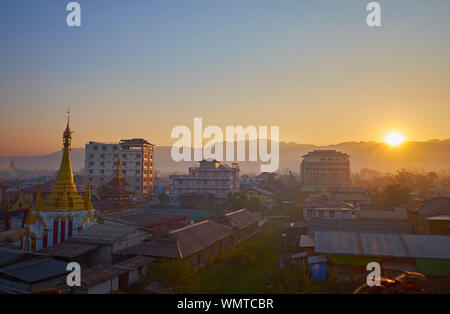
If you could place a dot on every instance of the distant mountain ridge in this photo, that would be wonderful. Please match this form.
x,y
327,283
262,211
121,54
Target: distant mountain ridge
x,y
431,155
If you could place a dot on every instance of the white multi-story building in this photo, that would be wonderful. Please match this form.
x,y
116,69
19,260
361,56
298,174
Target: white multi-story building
x,y
211,177
137,163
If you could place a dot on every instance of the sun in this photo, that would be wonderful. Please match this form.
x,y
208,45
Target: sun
x,y
394,138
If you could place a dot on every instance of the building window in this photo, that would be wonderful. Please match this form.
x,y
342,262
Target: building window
x,y
95,148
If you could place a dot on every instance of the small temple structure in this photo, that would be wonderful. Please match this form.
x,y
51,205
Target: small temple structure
x,y
116,197
117,187
63,213
19,207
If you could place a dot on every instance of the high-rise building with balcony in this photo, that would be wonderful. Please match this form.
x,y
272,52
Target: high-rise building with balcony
x,y
325,168
137,164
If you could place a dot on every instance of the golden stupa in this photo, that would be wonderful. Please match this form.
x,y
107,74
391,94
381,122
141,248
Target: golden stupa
x,y
64,194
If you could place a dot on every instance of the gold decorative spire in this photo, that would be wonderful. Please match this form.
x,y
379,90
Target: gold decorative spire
x,y
31,219
38,207
65,186
20,203
118,170
39,203
87,199
88,206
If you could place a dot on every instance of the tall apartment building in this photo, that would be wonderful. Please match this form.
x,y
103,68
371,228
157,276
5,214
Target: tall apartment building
x,y
211,177
136,156
325,168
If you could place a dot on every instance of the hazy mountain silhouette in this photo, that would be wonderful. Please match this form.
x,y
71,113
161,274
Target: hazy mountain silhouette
x,y
430,155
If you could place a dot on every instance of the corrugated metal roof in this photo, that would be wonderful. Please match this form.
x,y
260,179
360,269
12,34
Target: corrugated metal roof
x,y
35,270
183,242
383,244
397,214
103,233
142,219
134,262
335,242
355,225
99,274
243,218
432,207
326,203
165,247
7,256
68,249
197,237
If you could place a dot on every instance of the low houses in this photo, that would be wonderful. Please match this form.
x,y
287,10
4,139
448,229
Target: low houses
x,y
32,274
136,270
195,243
355,195
100,279
198,242
110,238
397,214
150,221
82,253
267,198
348,253
431,216
247,224
327,209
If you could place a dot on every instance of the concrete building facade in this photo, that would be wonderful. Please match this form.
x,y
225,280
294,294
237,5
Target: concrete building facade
x,y
210,178
325,168
137,164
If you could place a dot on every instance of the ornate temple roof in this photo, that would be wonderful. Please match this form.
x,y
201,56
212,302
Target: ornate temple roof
x,y
117,186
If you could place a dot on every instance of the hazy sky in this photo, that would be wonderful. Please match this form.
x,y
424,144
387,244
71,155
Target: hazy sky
x,y
138,68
